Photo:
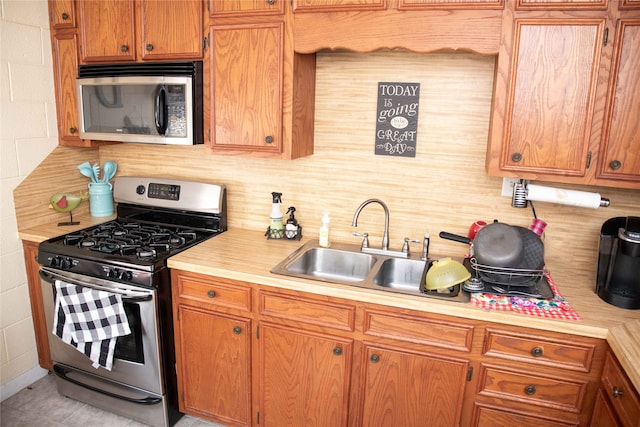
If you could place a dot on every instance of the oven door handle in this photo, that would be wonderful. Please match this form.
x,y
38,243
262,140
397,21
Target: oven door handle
x,y
49,277
62,373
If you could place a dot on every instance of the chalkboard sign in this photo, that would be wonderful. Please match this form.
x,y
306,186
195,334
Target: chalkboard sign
x,y
397,119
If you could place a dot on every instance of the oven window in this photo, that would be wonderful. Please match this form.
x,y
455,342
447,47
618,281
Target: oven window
x,y
129,347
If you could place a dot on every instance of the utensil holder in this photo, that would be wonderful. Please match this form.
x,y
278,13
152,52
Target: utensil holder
x,y
100,199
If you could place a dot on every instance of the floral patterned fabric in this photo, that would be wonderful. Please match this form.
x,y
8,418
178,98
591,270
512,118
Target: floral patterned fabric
x,y
551,308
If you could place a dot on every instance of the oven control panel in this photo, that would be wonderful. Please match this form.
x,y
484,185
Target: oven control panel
x,y
170,193
163,191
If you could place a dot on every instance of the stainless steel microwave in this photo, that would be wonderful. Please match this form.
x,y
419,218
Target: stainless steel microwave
x,y
156,103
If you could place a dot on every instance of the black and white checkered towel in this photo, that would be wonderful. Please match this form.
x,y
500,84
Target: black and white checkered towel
x,y
89,320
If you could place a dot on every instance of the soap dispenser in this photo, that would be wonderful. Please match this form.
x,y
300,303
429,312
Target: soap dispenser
x,y
291,227
324,231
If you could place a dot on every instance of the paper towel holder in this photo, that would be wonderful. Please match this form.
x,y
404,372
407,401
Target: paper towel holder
x,y
521,196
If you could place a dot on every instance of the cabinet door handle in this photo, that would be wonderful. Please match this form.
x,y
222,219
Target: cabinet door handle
x,y
516,157
615,164
337,351
271,1
530,390
375,358
211,294
537,352
237,330
72,130
617,392
268,139
65,16
149,47
124,48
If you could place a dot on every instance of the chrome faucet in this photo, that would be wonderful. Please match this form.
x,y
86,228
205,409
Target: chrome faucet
x,y
385,236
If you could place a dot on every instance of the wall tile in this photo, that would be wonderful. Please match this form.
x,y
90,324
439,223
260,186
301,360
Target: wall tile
x,y
23,120
31,152
3,350
21,337
8,159
20,43
8,230
29,12
5,82
17,366
31,83
7,185
15,302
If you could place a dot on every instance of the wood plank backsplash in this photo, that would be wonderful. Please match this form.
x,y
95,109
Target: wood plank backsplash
x,y
444,187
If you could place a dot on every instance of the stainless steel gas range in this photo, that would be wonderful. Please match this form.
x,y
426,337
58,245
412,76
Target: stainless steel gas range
x,y
120,266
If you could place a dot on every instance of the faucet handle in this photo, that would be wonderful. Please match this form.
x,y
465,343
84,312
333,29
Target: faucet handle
x,y
407,240
365,239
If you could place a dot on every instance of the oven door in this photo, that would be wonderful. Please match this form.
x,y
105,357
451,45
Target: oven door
x,y
136,361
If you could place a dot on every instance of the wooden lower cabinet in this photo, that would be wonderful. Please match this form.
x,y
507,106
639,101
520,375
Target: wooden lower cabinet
x,y
255,355
618,403
304,378
30,250
214,365
408,388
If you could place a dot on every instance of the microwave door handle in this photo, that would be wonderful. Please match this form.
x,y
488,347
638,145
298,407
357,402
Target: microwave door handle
x,y
161,112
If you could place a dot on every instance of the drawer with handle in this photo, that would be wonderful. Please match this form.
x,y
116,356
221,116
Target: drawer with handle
x,y
214,291
538,349
540,390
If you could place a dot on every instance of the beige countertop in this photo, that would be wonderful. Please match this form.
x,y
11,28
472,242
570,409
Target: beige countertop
x,y
249,256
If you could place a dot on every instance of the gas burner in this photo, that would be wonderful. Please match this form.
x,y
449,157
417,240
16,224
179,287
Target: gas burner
x,y
87,243
73,239
145,252
108,247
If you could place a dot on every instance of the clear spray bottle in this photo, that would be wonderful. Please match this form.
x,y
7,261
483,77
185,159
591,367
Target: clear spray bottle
x,y
276,225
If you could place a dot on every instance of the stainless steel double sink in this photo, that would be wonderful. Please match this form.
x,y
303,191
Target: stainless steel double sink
x,y
346,264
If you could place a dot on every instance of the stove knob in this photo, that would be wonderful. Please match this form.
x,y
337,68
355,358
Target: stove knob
x,y
125,275
55,261
140,189
113,273
65,263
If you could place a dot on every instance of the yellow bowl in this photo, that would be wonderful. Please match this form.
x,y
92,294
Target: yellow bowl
x,y
444,273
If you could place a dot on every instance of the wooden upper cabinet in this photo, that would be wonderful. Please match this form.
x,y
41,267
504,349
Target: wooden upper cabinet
x,y
550,103
107,30
246,72
168,30
171,29
62,14
630,4
65,69
621,136
221,8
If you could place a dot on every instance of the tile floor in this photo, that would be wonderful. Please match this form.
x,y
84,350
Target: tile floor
x,y
40,405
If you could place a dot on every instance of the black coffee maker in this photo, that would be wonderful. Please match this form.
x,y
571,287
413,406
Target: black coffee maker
x,y
618,280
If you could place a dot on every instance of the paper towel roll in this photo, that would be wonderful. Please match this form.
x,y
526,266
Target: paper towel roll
x,y
581,199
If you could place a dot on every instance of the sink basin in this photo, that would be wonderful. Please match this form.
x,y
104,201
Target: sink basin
x,y
346,264
332,264
399,273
